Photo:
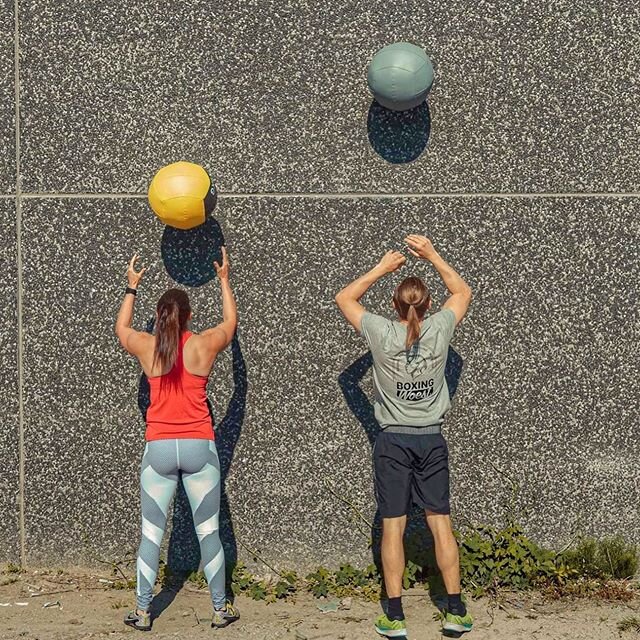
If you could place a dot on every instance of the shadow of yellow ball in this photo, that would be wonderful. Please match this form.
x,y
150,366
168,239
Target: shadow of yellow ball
x,y
181,195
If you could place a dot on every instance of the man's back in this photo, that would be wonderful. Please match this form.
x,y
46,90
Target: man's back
x,y
410,384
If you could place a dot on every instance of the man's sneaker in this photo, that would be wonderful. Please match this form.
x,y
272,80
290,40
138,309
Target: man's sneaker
x,y
139,621
391,628
225,616
459,624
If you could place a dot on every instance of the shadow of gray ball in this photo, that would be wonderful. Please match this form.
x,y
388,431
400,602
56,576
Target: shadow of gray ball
x,y
398,136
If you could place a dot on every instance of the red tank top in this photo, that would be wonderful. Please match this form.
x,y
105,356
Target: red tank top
x,y
179,406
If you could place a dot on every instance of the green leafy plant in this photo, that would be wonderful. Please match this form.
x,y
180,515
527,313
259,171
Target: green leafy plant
x,y
491,558
166,576
319,582
346,581
129,583
411,576
285,588
198,579
241,579
244,582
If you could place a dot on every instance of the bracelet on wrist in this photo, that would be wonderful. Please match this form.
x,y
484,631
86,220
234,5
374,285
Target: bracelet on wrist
x,y
131,290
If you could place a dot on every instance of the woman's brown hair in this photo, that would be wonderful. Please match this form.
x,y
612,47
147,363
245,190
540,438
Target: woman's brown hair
x,y
174,311
411,300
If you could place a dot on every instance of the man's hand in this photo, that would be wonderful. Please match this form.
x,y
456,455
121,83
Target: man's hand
x,y
134,276
223,271
391,261
420,247
458,302
348,299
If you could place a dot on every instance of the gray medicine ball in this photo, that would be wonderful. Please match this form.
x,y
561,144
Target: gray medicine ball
x,y
400,76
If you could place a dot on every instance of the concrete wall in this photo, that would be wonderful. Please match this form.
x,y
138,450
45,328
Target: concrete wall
x,y
526,185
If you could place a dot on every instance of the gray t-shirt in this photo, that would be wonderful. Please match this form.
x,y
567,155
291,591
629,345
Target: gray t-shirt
x,y
410,387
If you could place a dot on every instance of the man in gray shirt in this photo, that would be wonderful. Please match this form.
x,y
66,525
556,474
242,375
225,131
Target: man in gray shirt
x,y
409,384
411,400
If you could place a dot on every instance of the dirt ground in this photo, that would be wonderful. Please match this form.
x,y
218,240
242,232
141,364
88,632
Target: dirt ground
x,y
80,606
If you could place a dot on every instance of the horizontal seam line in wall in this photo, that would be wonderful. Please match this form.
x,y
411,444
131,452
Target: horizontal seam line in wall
x,y
351,195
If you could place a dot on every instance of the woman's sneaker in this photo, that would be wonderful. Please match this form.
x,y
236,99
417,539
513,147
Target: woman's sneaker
x,y
225,617
391,628
458,624
139,621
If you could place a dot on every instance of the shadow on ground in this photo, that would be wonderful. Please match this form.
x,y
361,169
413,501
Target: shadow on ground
x,y
418,540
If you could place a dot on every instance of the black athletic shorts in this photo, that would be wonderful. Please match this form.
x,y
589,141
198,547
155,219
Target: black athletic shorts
x,y
411,469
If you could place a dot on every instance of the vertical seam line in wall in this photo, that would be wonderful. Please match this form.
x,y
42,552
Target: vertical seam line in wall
x,y
19,355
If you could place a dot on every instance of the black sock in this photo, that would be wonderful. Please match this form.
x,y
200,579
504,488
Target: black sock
x,y
394,609
456,606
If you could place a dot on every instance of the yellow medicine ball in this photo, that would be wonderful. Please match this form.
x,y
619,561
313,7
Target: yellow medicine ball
x,y
181,195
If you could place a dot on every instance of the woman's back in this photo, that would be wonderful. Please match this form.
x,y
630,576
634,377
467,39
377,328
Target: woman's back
x,y
179,407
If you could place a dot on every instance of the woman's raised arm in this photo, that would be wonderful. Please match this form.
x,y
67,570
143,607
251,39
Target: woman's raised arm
x,y
126,334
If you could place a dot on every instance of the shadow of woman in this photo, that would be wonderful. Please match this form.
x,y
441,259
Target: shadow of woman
x,y
398,136
183,557
419,547
227,436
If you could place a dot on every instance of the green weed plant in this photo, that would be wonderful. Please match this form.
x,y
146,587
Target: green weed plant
x,y
491,559
611,558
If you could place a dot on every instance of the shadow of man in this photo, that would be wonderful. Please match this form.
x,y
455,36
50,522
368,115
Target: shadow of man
x,y
362,408
183,557
419,542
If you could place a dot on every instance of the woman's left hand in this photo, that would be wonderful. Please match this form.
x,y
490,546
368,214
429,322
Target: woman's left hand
x,y
134,276
222,271
391,261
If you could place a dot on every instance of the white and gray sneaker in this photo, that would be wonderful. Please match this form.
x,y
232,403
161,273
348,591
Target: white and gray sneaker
x,y
139,621
224,617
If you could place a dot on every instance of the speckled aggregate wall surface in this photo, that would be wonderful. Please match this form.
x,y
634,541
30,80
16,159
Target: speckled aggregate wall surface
x,y
7,98
272,96
548,391
9,474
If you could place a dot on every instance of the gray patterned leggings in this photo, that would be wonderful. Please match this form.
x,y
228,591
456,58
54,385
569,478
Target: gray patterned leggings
x,y
162,462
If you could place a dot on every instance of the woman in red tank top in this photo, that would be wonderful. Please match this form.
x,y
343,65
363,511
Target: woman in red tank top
x,y
179,434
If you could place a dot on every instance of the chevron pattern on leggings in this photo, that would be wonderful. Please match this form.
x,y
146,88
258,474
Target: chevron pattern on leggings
x,y
162,464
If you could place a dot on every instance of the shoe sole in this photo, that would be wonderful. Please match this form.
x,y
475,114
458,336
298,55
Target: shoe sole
x,y
458,628
400,633
226,624
133,625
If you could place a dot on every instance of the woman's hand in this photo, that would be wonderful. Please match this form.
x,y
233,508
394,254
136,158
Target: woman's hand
x,y
391,261
420,247
223,271
134,276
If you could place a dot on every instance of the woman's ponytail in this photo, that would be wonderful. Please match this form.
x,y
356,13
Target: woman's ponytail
x,y
411,300
173,314
413,326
